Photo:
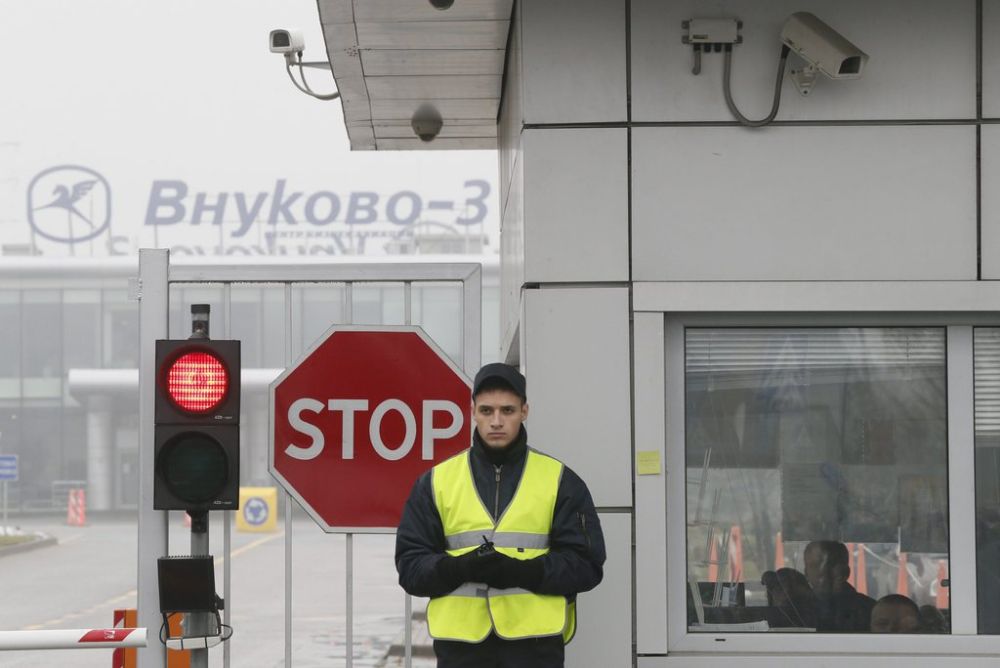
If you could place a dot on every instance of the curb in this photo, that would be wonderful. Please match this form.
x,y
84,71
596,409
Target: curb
x,y
42,540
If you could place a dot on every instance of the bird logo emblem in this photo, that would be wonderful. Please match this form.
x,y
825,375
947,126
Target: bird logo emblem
x,y
69,204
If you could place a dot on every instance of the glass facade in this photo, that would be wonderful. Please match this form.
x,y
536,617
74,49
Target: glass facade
x,y
71,341
817,479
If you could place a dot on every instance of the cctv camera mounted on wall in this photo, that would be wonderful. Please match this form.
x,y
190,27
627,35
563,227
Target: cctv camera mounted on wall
x,y
291,44
825,49
286,41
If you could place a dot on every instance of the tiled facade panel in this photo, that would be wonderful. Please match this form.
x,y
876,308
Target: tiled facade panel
x,y
804,203
574,61
922,61
575,344
604,627
991,201
511,112
575,205
512,259
991,59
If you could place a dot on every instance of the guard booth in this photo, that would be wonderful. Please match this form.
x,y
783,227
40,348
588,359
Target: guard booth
x,y
308,299
781,328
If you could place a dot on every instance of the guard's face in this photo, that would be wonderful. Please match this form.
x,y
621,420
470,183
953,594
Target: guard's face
x,y
824,577
498,415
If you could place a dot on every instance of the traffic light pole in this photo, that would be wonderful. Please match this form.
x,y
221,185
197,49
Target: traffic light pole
x,y
199,623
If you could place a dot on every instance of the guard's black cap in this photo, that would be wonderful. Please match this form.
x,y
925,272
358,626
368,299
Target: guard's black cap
x,y
504,372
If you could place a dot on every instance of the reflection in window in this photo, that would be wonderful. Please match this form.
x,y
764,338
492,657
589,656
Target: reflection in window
x,y
987,402
817,479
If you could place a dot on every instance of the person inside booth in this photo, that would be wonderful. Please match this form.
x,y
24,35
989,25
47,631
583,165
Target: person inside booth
x,y
840,607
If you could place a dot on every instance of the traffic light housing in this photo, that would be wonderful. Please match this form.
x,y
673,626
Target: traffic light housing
x,y
197,433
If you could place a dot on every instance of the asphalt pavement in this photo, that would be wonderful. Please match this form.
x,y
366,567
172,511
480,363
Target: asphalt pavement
x,y
91,571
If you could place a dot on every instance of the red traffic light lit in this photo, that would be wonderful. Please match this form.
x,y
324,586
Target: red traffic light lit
x,y
197,381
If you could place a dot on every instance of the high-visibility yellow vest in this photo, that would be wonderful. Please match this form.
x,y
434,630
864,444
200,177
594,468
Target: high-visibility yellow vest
x,y
471,611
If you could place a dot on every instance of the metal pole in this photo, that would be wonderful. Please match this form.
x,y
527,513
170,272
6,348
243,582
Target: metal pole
x,y
227,516
5,507
199,623
408,602
152,534
288,497
408,633
408,303
349,642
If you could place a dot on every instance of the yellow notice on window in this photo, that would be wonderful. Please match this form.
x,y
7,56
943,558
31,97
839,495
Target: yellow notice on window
x,y
647,462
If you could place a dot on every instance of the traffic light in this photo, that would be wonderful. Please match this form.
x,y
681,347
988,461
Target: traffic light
x,y
197,433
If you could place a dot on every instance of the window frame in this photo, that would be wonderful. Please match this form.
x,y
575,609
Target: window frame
x,y
960,453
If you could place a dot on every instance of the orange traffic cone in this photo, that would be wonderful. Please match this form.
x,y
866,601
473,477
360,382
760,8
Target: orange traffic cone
x,y
713,562
850,564
76,508
779,552
941,600
735,554
862,579
902,577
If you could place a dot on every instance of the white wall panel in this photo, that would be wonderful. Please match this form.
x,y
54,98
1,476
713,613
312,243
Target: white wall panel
x,y
512,257
576,359
650,489
574,60
510,121
604,625
804,203
575,205
991,59
922,61
990,146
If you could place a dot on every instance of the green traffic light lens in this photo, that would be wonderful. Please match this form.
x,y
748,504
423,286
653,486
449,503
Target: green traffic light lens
x,y
194,467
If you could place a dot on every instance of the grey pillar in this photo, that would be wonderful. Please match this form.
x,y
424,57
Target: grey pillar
x,y
100,454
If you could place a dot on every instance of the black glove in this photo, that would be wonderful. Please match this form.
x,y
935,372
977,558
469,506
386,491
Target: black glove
x,y
468,567
507,572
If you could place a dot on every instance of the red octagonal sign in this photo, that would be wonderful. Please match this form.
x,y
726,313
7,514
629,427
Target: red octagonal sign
x,y
359,418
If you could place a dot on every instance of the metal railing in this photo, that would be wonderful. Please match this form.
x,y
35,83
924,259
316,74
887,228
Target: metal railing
x,y
156,278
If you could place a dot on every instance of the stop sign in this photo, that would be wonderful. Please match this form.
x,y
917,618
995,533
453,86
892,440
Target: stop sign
x,y
357,420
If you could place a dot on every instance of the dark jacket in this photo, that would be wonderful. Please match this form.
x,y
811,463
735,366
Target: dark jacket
x,y
847,611
576,554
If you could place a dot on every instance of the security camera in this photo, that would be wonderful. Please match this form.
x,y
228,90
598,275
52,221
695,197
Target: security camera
x,y
286,41
825,49
426,122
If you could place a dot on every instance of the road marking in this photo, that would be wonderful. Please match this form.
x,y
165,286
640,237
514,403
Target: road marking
x,y
132,594
249,546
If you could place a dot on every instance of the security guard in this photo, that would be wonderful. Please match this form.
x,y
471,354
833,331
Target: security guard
x,y
502,538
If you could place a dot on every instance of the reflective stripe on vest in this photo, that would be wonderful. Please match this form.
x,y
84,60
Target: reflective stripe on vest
x,y
471,611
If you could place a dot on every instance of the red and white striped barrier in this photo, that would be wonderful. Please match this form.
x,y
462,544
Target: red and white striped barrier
x,y
76,509
73,639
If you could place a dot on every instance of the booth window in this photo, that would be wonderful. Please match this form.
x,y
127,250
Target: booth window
x,y
816,470
986,341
